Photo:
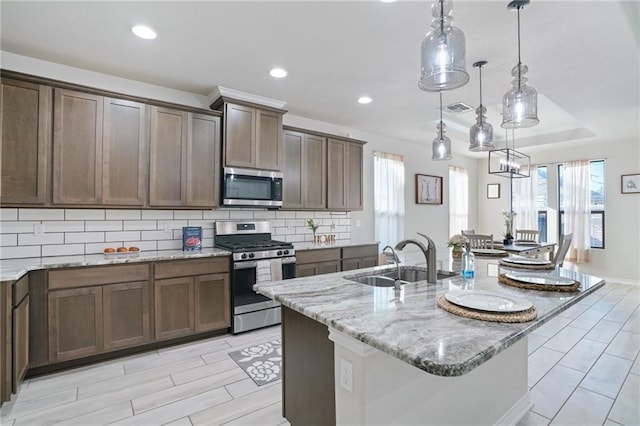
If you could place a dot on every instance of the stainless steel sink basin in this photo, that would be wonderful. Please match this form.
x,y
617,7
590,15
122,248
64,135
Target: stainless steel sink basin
x,y
407,274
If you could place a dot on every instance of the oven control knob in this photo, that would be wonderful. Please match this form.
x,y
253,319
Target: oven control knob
x,y
251,255
286,252
279,253
243,256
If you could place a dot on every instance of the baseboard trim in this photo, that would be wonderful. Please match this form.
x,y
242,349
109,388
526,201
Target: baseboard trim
x,y
517,412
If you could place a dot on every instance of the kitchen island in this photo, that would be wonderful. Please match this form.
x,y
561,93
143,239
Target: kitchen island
x,y
397,358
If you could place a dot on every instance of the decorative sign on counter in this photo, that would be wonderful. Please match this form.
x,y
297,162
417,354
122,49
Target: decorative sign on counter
x,y
191,238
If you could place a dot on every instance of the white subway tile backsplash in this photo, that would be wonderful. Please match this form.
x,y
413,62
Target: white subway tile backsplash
x,y
296,222
170,245
216,214
207,233
240,215
139,225
84,214
84,237
277,223
264,214
8,240
344,221
36,240
207,242
103,225
295,238
63,226
96,248
17,227
324,215
283,231
205,224
286,214
122,236
142,245
157,214
62,250
18,252
8,214
156,235
40,214
123,214
187,214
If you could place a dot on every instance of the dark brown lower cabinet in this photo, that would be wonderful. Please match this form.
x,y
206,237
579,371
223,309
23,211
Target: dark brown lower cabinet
x,y
317,261
126,314
5,341
212,307
174,307
358,257
308,391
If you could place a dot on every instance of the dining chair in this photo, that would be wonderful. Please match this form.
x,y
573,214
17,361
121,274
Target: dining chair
x,y
563,248
479,241
528,235
466,232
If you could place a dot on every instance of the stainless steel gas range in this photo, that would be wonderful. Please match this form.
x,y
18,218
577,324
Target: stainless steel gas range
x,y
255,257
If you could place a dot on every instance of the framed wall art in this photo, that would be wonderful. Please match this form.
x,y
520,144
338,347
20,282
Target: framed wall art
x,y
493,190
428,189
630,184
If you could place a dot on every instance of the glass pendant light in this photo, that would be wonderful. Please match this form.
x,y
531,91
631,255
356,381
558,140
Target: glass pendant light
x,y
441,146
520,104
481,133
443,51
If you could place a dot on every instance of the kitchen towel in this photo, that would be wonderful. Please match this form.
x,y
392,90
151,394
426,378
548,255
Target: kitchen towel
x,y
276,269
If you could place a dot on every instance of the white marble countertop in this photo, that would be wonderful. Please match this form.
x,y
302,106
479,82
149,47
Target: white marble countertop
x,y
13,269
409,325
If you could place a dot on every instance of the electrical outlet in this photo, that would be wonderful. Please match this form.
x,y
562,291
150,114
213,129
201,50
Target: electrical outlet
x,y
38,228
346,375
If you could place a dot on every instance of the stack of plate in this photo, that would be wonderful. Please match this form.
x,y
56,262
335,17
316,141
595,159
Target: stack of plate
x,y
539,279
487,301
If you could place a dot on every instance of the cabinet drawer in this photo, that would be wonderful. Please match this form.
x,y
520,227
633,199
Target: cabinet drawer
x,y
188,267
317,255
20,289
83,277
360,251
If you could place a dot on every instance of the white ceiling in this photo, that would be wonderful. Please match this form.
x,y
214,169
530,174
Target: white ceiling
x,y
583,58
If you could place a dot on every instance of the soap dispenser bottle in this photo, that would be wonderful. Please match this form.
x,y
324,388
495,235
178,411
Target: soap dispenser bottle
x,y
468,263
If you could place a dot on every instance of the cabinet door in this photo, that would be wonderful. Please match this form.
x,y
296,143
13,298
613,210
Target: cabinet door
x,y
292,170
127,314
268,140
329,267
315,172
174,305
239,136
77,148
351,264
25,142
336,159
167,162
124,153
75,323
20,342
353,172
212,302
203,161
306,270
368,262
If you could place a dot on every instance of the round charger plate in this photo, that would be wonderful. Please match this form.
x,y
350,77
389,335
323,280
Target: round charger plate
x,y
487,301
525,243
488,251
526,261
544,279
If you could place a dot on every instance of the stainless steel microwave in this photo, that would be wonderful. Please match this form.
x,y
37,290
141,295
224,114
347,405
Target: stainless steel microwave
x,y
248,187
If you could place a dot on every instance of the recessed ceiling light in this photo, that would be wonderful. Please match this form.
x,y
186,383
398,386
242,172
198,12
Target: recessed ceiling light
x,y
278,73
364,100
144,32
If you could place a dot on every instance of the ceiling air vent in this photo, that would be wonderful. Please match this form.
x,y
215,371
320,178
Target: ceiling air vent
x,y
457,108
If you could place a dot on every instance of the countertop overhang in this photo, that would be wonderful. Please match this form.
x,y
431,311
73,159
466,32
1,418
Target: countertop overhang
x,y
409,325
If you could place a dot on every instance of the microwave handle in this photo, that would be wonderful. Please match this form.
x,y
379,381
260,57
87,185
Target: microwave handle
x,y
245,265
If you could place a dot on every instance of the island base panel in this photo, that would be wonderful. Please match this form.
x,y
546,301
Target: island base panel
x,y
308,384
387,390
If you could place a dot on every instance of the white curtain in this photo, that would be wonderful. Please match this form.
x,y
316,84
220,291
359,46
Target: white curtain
x,y
388,198
525,197
576,203
458,199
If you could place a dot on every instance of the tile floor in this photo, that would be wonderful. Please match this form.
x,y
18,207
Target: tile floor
x,y
584,369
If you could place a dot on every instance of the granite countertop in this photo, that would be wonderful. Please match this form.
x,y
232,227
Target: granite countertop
x,y
13,269
409,325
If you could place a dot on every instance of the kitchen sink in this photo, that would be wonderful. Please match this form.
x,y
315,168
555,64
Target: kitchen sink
x,y
407,274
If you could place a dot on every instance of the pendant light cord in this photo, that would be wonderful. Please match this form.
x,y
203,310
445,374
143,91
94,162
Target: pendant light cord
x,y
481,114
519,62
442,17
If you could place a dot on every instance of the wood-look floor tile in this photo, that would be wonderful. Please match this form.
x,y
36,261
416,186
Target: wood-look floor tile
x,y
98,402
195,348
19,408
607,375
619,314
589,318
604,331
205,370
178,409
633,323
534,341
104,416
574,311
635,369
583,355
533,419
270,415
565,339
192,388
540,362
70,379
552,327
626,409
625,345
238,407
184,421
551,392
583,408
158,361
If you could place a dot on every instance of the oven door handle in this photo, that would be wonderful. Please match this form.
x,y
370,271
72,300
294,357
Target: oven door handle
x,y
290,259
245,265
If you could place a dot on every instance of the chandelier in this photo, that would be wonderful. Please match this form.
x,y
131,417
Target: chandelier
x,y
509,163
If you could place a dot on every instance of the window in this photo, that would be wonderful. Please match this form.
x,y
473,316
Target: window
x,y
542,202
388,170
458,200
595,194
530,200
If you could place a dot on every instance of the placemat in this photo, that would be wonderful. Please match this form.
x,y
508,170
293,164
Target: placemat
x,y
547,266
512,317
504,254
543,287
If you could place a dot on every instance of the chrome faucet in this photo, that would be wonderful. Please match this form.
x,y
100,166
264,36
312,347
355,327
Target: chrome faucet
x,y
429,255
393,257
